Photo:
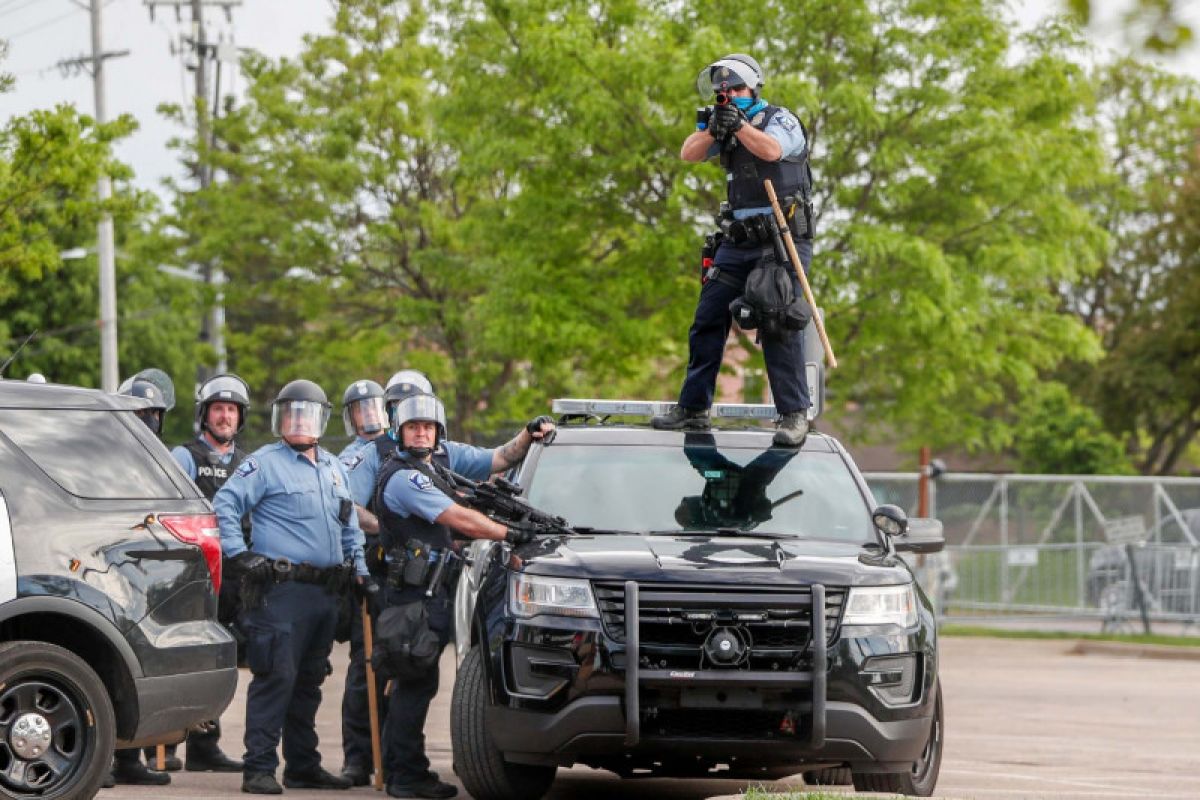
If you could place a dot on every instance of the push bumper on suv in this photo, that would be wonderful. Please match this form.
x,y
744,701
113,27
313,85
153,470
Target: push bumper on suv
x,y
568,692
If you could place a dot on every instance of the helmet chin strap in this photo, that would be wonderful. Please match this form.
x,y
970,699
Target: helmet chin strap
x,y
218,438
419,452
301,447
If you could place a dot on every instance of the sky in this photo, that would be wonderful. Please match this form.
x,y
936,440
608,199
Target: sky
x,y
41,32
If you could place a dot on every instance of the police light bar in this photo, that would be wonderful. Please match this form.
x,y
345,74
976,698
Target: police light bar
x,y
649,408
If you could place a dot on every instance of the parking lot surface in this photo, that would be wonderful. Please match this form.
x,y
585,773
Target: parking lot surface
x,y
1024,719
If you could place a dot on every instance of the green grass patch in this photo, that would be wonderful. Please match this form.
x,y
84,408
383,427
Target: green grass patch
x,y
1127,638
758,793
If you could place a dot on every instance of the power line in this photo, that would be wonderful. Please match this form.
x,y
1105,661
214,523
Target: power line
x,y
12,9
41,25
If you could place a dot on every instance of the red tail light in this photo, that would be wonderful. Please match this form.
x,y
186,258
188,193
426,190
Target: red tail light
x,y
202,531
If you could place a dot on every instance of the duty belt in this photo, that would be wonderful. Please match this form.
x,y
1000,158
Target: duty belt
x,y
335,579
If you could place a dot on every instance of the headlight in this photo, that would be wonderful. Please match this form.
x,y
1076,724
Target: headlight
x,y
881,605
530,595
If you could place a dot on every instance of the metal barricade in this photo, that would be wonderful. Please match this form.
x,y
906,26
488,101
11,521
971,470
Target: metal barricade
x,y
1121,550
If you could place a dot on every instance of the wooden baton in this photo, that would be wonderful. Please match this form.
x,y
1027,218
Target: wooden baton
x,y
372,699
785,232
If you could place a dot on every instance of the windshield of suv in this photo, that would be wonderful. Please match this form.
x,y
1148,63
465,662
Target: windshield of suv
x,y
701,488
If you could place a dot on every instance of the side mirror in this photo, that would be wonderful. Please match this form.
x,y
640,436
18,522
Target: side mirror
x,y
925,535
890,520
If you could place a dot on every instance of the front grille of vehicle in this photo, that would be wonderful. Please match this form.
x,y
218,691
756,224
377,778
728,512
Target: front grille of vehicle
x,y
676,620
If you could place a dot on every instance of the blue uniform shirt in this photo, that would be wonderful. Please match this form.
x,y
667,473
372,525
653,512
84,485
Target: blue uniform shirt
x,y
293,505
183,457
363,467
409,492
784,128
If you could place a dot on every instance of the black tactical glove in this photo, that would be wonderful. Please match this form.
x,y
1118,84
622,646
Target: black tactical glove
x,y
534,425
518,534
727,119
368,591
250,564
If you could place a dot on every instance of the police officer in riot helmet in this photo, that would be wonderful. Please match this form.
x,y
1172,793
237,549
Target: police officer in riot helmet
x,y
209,460
127,767
306,551
153,414
365,419
418,514
754,140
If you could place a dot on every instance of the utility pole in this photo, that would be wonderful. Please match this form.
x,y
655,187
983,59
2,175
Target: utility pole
x,y
105,248
212,326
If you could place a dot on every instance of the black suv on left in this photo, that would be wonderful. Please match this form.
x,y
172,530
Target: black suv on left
x,y
109,566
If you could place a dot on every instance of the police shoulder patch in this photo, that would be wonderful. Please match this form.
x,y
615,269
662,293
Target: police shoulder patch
x,y
420,482
247,468
787,121
350,462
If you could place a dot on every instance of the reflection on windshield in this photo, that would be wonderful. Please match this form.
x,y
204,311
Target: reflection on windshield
x,y
701,487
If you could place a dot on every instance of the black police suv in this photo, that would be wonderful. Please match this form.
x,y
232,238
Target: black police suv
x,y
674,634
109,566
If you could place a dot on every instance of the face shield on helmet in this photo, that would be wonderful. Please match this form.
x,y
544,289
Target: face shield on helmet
x,y
161,380
153,414
731,72
419,408
363,413
299,418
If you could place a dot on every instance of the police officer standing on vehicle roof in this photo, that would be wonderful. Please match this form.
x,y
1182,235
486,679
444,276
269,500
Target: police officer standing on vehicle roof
x,y
307,549
365,418
127,765
755,141
417,515
209,460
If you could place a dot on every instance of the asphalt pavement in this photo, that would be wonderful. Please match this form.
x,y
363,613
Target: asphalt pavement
x,y
1024,720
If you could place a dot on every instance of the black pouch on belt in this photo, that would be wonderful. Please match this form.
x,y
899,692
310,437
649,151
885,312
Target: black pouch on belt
x,y
416,568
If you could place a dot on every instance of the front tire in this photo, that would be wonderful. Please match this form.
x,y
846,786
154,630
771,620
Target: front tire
x,y
477,761
57,725
922,778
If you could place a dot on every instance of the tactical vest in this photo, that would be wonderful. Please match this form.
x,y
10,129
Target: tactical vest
x,y
395,530
212,474
746,171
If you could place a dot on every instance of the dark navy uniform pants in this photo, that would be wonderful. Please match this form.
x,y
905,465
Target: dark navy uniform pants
x,y
356,720
784,356
404,759
288,642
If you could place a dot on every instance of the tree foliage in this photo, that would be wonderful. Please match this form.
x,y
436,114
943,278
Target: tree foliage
x,y
1145,299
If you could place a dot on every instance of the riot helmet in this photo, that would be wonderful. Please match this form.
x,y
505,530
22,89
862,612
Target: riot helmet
x,y
405,383
152,414
157,377
419,408
300,410
364,400
730,72
225,388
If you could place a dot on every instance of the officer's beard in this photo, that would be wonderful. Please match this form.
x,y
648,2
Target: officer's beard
x,y
218,438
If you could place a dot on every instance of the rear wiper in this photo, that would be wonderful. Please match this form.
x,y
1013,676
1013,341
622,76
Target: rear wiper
x,y
736,532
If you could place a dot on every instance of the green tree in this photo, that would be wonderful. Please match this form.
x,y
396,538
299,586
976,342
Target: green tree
x,y
491,191
1156,26
1143,302
1061,435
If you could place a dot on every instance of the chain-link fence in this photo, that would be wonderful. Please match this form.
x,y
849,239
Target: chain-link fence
x,y
1125,551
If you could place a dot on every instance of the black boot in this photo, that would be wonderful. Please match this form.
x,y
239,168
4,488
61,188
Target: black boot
x,y
680,418
260,783
204,753
316,778
791,429
129,770
357,774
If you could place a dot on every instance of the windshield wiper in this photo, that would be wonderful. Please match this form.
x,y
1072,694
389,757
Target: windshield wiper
x,y
735,532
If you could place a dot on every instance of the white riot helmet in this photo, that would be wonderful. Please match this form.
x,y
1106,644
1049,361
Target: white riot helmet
x,y
225,388
364,399
730,72
419,408
300,409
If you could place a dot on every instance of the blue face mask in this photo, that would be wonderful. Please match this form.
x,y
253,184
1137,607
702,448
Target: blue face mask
x,y
749,106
